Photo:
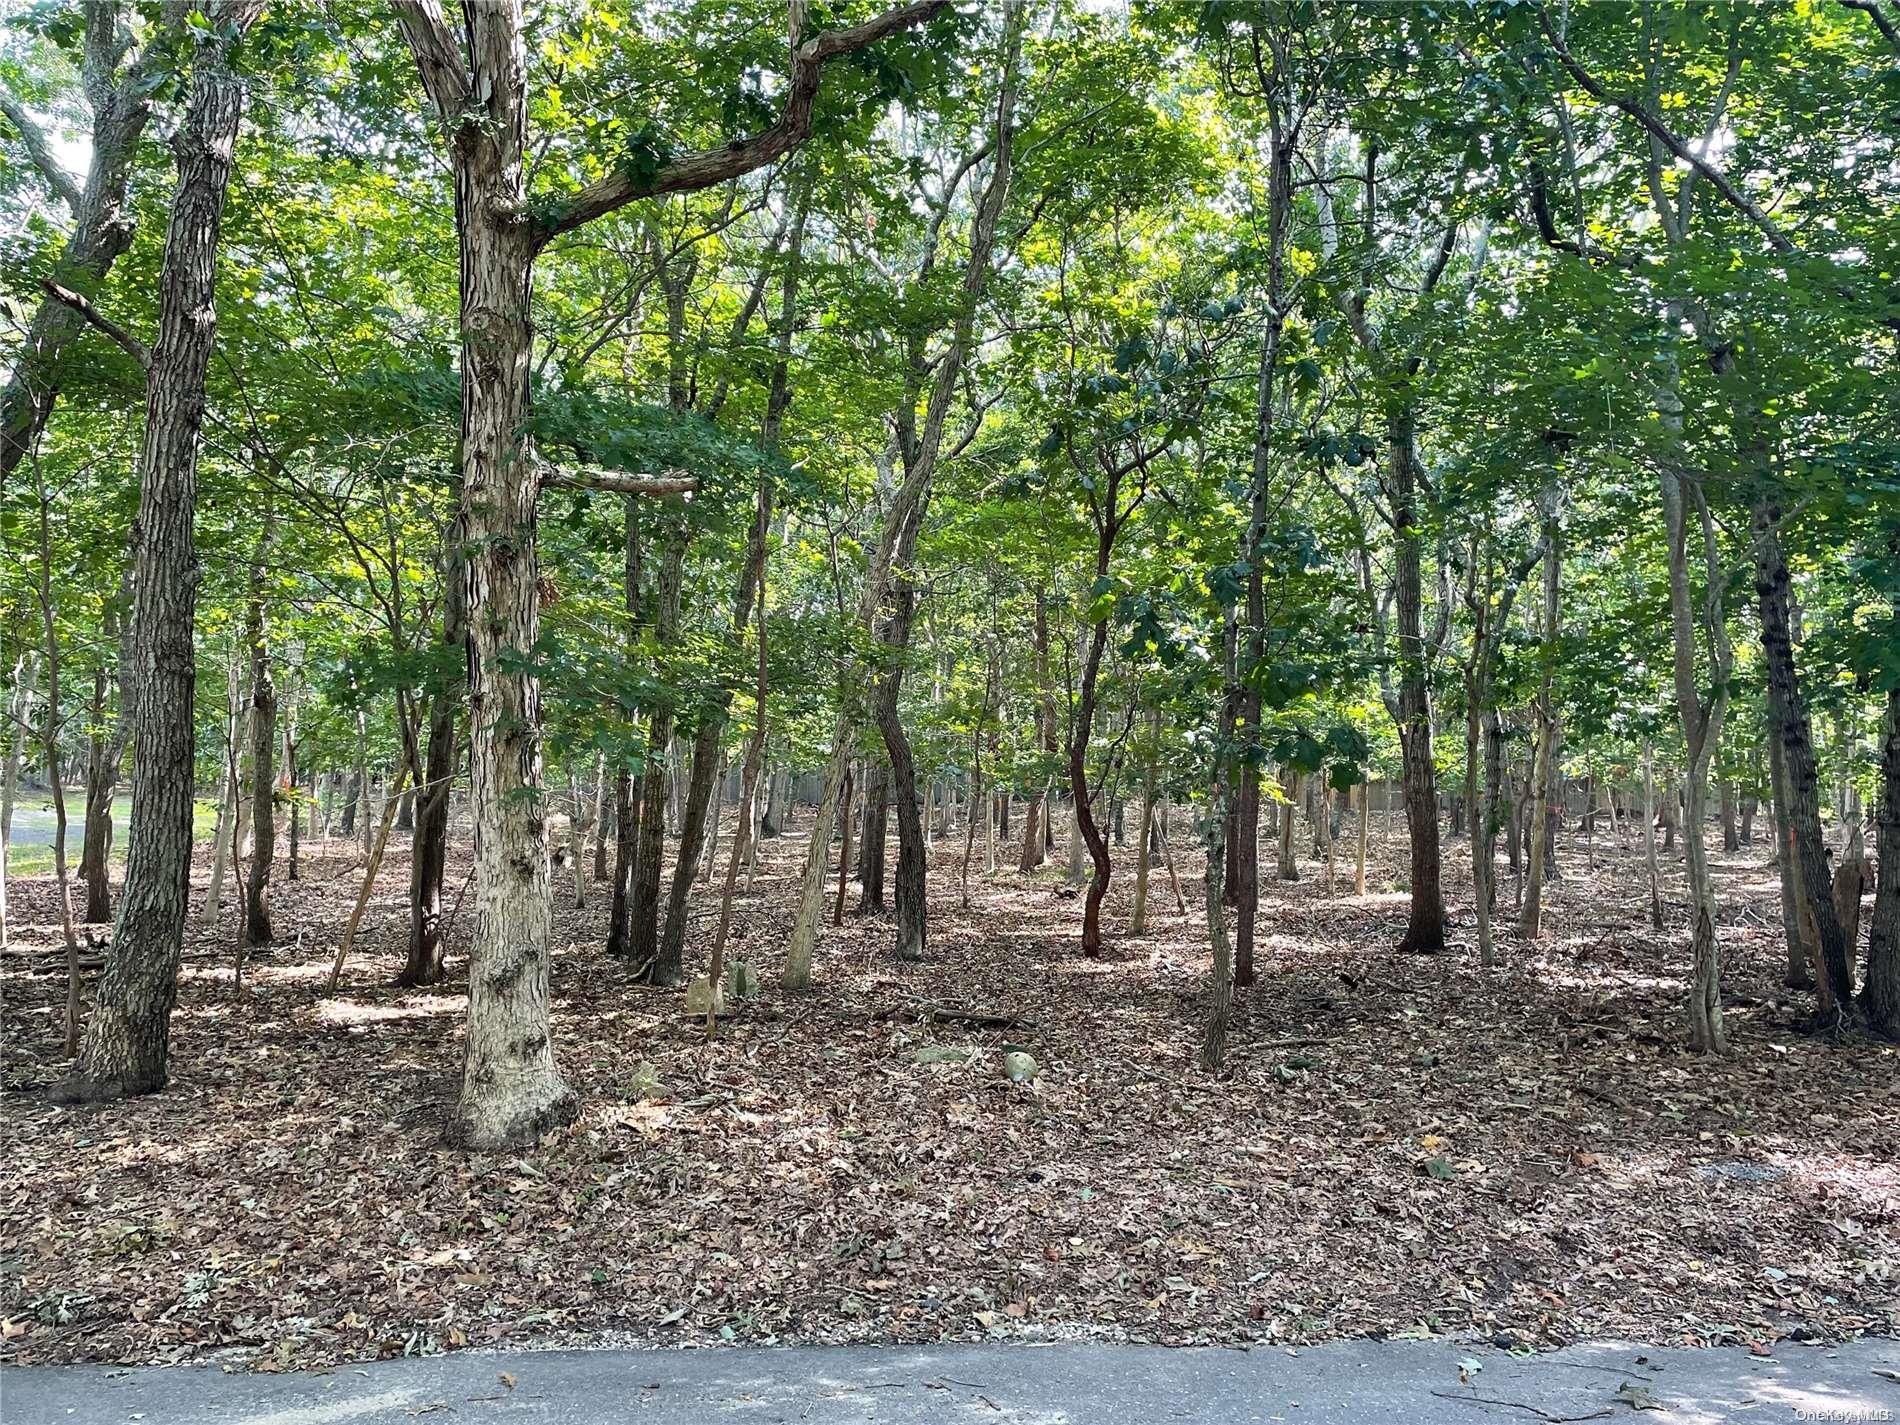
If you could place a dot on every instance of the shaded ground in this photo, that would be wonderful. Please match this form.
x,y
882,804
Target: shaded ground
x,y
803,1179
1340,1383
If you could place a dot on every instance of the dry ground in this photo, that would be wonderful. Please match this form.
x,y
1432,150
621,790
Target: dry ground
x,y
802,1178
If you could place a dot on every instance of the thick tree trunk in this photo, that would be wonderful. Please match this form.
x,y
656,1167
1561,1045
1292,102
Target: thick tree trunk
x,y
352,794
1790,727
778,790
1801,955
128,1039
511,1091
1880,996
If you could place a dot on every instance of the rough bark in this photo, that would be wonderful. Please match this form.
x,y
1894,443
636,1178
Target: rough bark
x,y
1793,733
1880,996
511,1091
1800,955
128,1039
1425,921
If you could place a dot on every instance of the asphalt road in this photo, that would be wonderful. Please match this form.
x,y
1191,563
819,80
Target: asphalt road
x,y
1362,1382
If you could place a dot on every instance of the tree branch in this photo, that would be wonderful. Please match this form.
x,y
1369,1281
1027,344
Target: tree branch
x,y
618,482
132,346
1665,136
40,151
438,56
710,166
1872,10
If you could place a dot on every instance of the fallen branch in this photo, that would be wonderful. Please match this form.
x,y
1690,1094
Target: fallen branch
x,y
951,1014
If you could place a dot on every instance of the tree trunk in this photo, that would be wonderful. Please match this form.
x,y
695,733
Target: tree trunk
x,y
871,841
1365,828
911,905
1544,774
55,774
1036,812
19,705
511,1091
1425,923
120,83
1649,837
1144,828
102,778
1880,996
226,836
256,926
1801,955
1731,838
844,849
429,843
1079,739
1484,836
651,964
292,871
603,813
1790,728
128,1039
1701,731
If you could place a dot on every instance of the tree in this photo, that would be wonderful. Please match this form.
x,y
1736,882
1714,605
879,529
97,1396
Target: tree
x,y
511,1090
127,1044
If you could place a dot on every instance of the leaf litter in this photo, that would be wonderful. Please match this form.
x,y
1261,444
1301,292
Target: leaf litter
x,y
1528,1158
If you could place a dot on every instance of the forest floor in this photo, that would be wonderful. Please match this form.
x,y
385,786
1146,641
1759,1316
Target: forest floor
x,y
1399,1146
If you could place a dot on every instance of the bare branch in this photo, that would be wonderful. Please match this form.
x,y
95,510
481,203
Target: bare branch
x,y
133,347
